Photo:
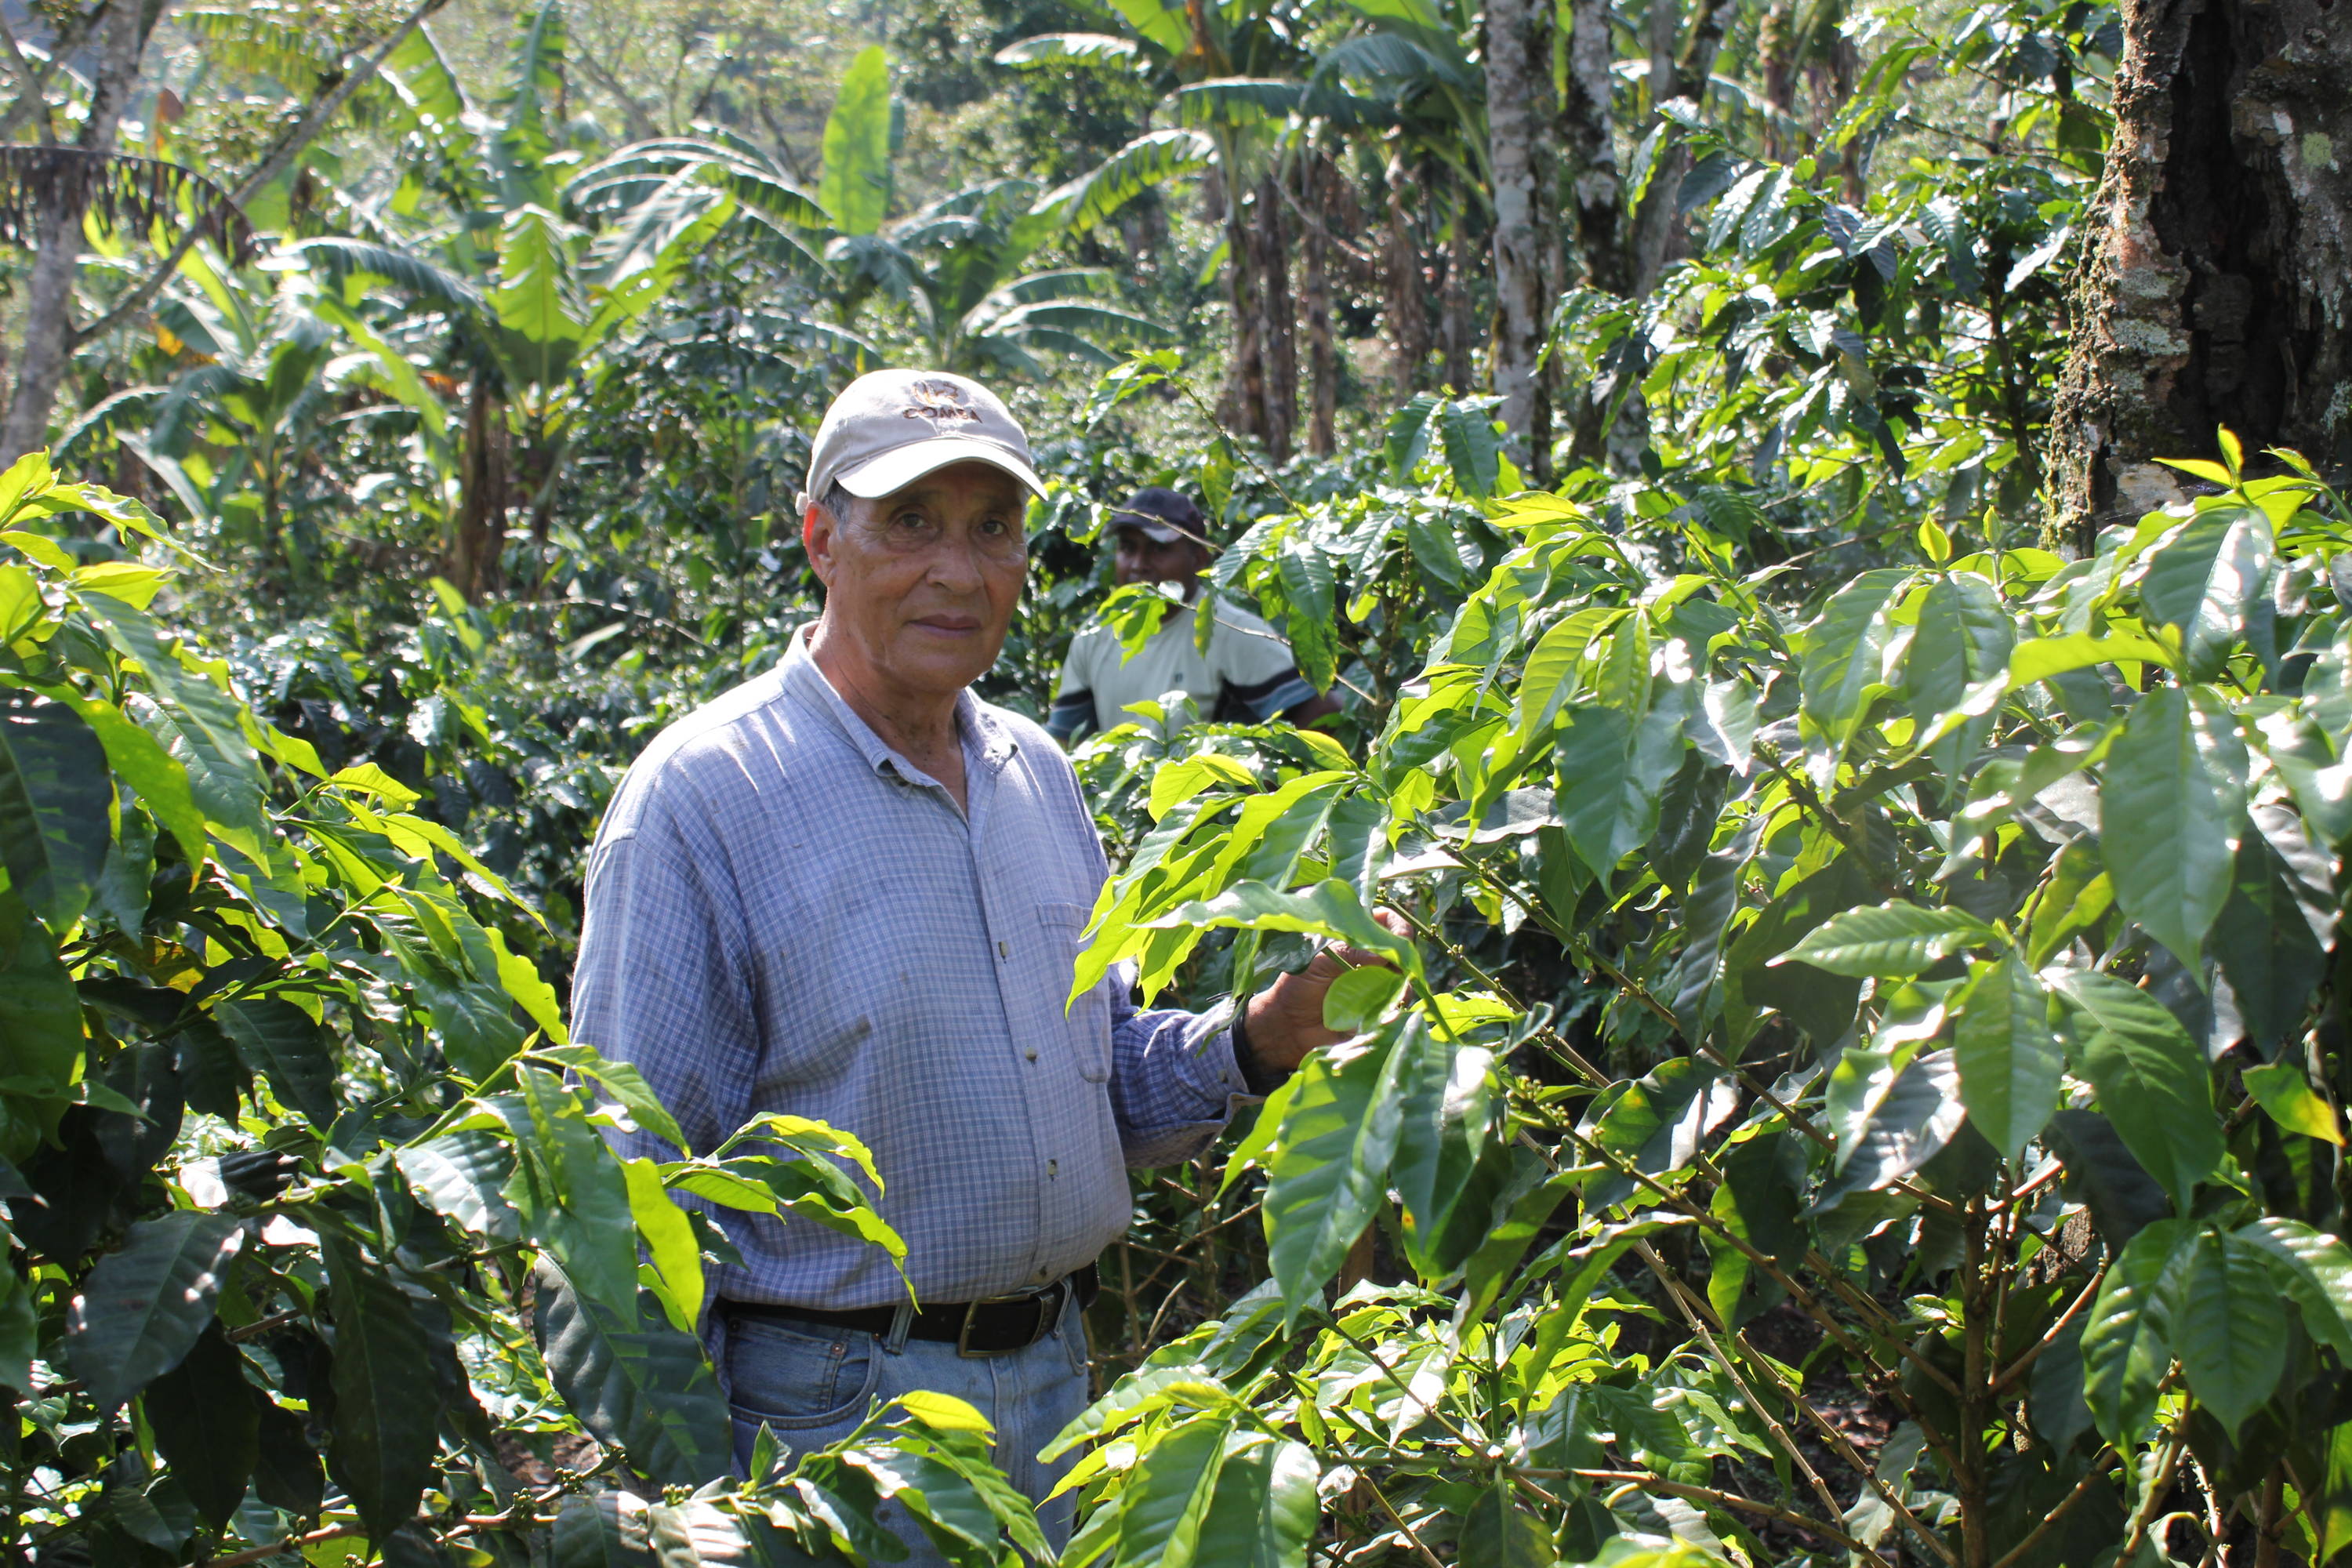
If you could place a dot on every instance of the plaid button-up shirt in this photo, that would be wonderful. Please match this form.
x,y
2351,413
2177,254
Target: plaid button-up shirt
x,y
785,914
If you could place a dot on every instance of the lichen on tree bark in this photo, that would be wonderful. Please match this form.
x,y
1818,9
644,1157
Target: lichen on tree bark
x,y
2219,274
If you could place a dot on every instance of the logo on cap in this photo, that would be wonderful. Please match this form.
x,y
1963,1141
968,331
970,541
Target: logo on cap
x,y
941,404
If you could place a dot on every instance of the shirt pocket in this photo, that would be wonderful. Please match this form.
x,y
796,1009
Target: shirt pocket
x,y
1086,1024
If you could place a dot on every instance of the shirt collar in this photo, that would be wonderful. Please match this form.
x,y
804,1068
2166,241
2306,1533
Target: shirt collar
x,y
985,740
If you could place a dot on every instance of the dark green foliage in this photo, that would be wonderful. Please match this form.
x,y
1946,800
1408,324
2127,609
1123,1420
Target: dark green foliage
x,y
208,1421
646,1389
143,1306
384,1419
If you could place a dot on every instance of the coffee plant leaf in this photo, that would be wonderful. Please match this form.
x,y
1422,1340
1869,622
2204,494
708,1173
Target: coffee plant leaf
x,y
609,1530
2127,1337
207,1423
146,1302
1331,1159
1265,1507
386,1416
636,1383
2202,580
2152,1081
2313,1269
1842,649
1168,1500
2173,808
56,798
2010,1063
2223,1331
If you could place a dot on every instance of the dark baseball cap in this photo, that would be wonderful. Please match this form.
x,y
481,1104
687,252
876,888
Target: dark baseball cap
x,y
1163,515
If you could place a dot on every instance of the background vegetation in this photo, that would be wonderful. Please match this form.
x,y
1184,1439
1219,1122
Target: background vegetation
x,y
1866,1083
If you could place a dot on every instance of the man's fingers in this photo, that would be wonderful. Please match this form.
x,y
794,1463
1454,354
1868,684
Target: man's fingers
x,y
1356,957
1334,959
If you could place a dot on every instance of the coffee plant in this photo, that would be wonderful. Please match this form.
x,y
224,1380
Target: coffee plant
x,y
1856,1075
1961,1047
1926,1148
317,1251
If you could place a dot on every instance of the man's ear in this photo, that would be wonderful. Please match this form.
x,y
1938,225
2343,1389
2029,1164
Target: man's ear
x,y
817,529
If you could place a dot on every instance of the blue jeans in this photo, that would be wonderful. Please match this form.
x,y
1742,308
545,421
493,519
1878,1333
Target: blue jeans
x,y
813,1384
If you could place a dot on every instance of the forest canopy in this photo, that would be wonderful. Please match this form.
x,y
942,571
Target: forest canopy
x,y
1824,524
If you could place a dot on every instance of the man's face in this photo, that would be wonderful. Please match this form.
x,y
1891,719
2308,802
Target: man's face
x,y
920,587
1137,557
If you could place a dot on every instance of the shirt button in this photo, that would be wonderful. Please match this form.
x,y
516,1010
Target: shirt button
x,y
1031,1053
1045,1274
1003,949
1053,1167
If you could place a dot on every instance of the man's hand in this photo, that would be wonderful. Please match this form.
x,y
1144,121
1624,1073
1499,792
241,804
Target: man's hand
x,y
1285,1021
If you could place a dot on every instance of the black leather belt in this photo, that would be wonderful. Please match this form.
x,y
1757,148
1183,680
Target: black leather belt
x,y
996,1326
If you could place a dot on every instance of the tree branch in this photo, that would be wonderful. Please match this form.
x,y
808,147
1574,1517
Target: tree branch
x,y
2017,1553
1364,259
2017,1368
2158,1484
1389,1508
69,39
291,1543
28,86
642,125
1710,1497
1582,952
274,164
525,1514
1680,1294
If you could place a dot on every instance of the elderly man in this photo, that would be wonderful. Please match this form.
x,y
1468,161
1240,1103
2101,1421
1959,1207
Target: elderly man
x,y
849,890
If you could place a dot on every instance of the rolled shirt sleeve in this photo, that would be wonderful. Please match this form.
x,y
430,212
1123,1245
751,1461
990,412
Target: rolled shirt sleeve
x,y
1174,1082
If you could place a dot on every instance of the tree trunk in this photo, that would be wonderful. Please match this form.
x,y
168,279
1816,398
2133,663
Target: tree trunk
x,y
1278,319
1519,115
1664,23
129,477
1146,231
1775,41
1845,72
1588,138
1658,223
1603,248
48,296
1408,292
1315,308
541,470
1454,305
1245,381
480,541
2218,288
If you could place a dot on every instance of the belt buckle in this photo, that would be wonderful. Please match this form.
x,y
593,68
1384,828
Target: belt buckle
x,y
964,1331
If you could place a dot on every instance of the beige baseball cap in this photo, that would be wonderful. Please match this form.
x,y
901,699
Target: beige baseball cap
x,y
890,428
